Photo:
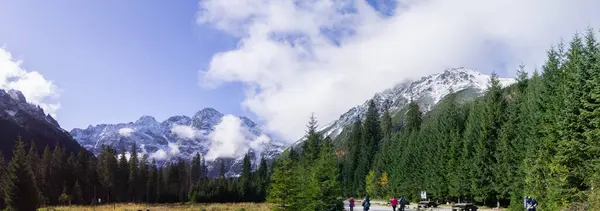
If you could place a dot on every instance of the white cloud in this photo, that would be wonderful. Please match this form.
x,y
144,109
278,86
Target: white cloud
x,y
173,149
231,139
126,131
33,85
184,131
286,82
160,154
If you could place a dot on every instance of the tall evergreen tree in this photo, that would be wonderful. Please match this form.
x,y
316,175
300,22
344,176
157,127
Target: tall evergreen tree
x,y
283,187
18,183
133,174
246,179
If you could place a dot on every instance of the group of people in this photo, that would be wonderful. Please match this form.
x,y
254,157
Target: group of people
x,y
366,203
529,203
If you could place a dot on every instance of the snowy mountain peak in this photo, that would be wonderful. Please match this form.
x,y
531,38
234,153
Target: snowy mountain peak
x,y
206,118
181,137
14,104
427,92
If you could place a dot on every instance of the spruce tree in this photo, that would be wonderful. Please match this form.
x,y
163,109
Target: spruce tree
x,y
2,175
133,174
311,147
326,178
283,186
77,194
18,183
246,179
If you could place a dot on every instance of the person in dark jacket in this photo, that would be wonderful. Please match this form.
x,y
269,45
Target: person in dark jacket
x,y
366,204
351,204
530,203
402,203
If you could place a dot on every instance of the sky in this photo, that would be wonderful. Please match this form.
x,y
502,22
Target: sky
x,y
275,61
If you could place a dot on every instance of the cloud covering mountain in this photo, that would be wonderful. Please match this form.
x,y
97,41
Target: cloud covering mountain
x,y
296,57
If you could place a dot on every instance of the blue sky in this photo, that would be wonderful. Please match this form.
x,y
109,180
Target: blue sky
x,y
117,60
276,61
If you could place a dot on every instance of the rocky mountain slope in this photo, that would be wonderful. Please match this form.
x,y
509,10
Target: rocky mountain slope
x,y
212,134
426,91
20,118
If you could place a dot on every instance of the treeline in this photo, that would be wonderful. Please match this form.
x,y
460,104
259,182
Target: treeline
x,y
307,180
539,137
55,178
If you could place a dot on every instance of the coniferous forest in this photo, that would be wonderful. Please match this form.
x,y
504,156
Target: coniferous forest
x,y
539,137
55,178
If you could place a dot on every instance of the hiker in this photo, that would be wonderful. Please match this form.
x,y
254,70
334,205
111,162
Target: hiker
x,y
402,203
394,203
530,204
351,204
366,203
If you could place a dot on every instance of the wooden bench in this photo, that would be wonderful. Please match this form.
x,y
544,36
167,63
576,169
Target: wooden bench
x,y
464,207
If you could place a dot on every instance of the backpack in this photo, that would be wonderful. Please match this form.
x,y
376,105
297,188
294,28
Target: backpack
x,y
367,204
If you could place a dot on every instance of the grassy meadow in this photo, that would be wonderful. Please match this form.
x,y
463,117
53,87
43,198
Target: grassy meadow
x,y
165,207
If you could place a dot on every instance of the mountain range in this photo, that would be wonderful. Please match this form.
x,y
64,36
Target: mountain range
x,y
212,134
216,136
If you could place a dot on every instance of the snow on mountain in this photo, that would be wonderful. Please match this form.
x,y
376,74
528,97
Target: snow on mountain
x,y
208,132
13,103
426,91
19,118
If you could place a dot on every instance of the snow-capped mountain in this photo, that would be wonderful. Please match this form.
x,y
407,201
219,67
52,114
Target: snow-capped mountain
x,y
20,118
426,91
212,134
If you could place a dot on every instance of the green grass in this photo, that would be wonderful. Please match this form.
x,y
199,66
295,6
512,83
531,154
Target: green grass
x,y
166,207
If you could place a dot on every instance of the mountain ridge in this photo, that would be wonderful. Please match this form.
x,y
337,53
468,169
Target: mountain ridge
x,y
426,91
181,137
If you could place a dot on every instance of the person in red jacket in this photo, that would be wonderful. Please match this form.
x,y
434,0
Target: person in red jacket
x,y
351,204
394,203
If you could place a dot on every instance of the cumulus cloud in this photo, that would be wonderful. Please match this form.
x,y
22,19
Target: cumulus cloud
x,y
184,131
125,131
323,56
231,139
173,149
36,89
160,154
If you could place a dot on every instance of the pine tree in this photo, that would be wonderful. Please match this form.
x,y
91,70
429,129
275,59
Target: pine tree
x,y
196,168
353,158
485,160
133,174
246,179
326,179
2,176
33,161
18,183
283,188
263,179
46,177
77,195
310,150
151,185
108,171
142,179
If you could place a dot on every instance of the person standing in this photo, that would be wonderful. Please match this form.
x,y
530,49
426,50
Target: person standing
x,y
530,203
394,203
366,204
351,204
402,203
